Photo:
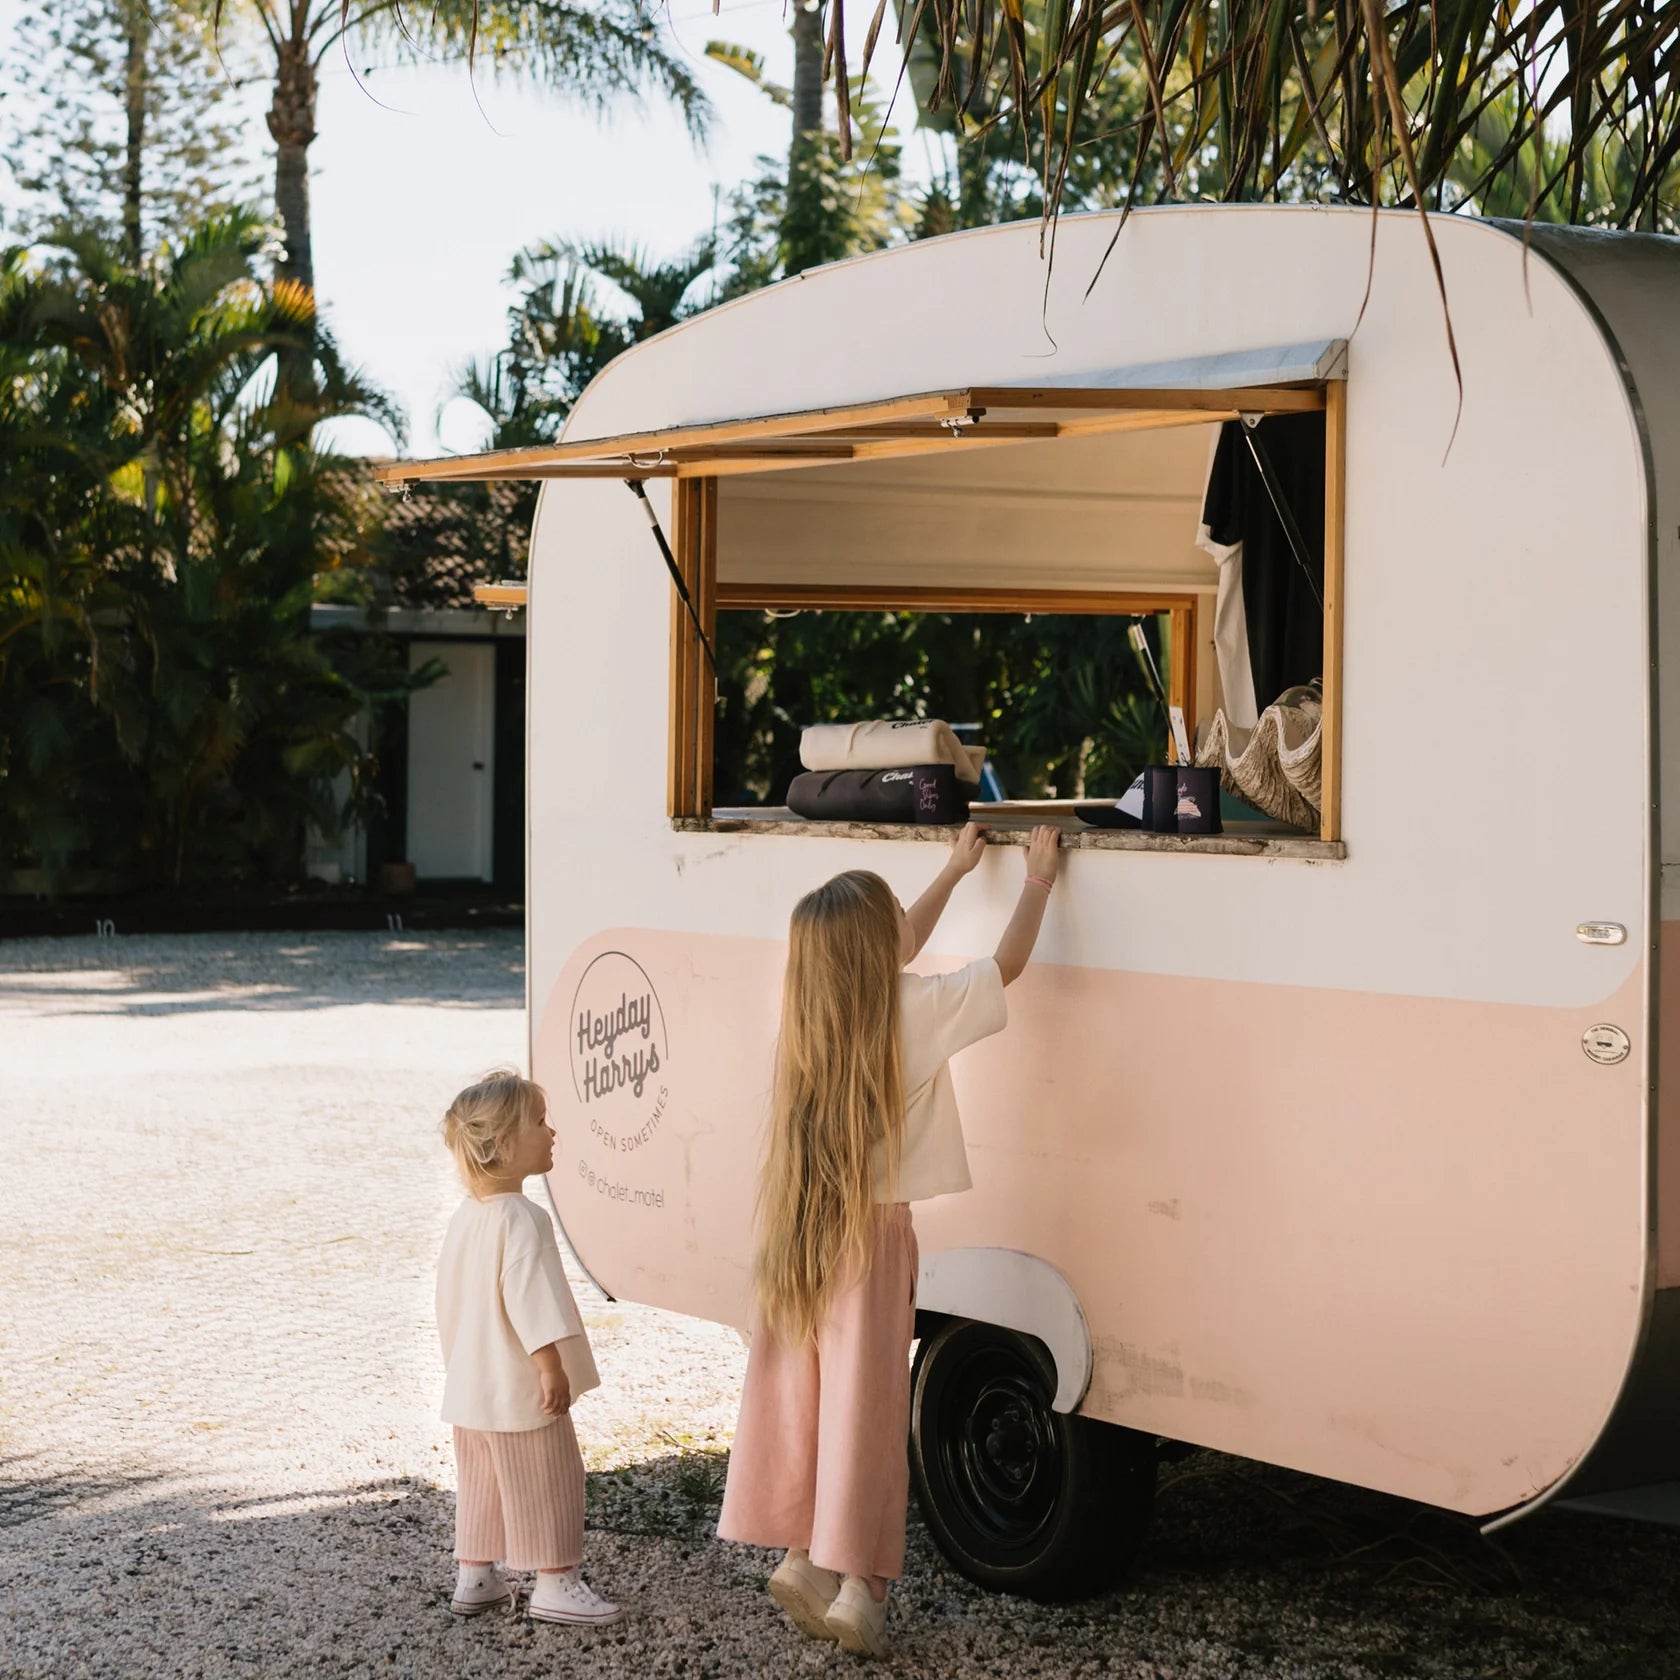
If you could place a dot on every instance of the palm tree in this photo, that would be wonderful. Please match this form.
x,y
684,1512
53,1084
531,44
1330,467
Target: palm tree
x,y
165,524
838,196
560,335
591,51
60,603
661,292
995,171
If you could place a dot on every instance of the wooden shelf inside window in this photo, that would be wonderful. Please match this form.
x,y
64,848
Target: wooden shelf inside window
x,y
1264,840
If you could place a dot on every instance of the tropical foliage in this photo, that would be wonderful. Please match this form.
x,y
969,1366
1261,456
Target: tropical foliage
x,y
123,121
829,201
166,716
1364,101
1060,701
168,515
577,305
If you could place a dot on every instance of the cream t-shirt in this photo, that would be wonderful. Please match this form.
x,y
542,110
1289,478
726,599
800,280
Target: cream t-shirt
x,y
938,1015
501,1295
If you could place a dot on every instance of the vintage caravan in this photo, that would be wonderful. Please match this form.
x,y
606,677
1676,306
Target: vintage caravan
x,y
1352,1151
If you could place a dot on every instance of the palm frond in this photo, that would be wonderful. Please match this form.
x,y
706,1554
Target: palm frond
x,y
745,62
1358,101
593,54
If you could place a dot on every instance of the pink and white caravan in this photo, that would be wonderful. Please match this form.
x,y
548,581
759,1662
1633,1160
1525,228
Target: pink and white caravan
x,y
1346,1148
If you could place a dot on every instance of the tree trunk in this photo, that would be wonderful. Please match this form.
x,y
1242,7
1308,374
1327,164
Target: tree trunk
x,y
291,121
807,67
135,25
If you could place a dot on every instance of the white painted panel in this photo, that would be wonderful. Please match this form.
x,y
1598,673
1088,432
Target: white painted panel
x,y
1468,575
451,763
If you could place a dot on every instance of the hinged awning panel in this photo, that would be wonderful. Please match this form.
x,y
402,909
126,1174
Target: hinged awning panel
x,y
1284,379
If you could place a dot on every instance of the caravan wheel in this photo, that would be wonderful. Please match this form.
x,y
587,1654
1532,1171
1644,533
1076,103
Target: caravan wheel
x,y
1021,1498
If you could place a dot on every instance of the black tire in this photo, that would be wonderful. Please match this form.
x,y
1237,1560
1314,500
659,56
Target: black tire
x,y
1020,1498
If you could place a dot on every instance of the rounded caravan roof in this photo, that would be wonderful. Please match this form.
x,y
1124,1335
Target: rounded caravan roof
x,y
983,307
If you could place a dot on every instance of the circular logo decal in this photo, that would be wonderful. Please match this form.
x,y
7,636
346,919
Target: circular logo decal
x,y
619,1051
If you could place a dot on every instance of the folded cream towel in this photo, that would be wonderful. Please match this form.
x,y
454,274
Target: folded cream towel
x,y
888,746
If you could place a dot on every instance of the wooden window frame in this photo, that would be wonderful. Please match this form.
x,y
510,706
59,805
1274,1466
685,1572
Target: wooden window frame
x,y
694,683
1335,517
694,522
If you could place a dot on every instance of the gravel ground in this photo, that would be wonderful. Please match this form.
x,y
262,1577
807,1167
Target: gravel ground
x,y
220,1198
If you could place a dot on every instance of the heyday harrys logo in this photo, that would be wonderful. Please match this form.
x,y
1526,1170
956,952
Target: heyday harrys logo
x,y
617,1032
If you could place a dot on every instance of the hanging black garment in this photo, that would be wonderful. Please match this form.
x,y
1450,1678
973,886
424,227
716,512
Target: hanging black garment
x,y
1280,603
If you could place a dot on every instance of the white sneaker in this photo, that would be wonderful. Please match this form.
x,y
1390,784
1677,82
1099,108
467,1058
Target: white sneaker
x,y
805,1593
567,1597
856,1620
479,1587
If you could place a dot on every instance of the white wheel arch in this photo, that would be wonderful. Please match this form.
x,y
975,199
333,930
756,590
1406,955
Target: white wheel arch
x,y
1014,1291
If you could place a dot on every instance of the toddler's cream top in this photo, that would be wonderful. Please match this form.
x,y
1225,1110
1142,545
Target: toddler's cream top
x,y
501,1295
938,1015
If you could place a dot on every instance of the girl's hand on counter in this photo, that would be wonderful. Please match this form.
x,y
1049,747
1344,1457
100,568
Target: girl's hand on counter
x,y
1043,852
968,848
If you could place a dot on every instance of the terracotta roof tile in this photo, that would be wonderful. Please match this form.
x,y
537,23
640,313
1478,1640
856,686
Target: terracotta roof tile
x,y
442,539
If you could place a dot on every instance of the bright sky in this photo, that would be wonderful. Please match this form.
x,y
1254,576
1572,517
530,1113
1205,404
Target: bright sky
x,y
418,209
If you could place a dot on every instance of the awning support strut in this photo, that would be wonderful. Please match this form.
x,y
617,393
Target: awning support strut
x,y
639,491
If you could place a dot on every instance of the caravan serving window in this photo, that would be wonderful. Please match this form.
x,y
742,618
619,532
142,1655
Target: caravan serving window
x,y
1095,526
1019,488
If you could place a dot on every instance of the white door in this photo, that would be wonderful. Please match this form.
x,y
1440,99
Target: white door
x,y
451,767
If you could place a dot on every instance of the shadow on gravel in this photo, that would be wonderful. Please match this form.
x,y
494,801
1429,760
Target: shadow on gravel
x,y
1252,1574
26,1498
1403,1589
1252,1570
186,974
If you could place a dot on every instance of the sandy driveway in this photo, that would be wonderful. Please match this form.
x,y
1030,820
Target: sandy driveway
x,y
220,1198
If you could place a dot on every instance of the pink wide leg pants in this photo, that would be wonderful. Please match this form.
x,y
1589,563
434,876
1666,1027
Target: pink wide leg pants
x,y
520,1496
821,1457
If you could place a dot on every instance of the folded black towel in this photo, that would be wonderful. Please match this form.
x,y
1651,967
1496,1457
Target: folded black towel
x,y
919,793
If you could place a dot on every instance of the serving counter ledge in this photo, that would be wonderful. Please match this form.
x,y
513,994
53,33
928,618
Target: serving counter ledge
x,y
1012,827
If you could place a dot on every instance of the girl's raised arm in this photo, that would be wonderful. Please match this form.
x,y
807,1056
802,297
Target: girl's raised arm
x,y
922,916
1021,935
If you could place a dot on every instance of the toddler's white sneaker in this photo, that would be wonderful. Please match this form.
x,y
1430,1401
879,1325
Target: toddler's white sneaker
x,y
479,1587
805,1593
857,1621
567,1597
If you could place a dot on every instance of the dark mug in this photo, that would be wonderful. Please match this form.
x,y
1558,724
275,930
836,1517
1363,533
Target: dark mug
x,y
1196,805
1160,798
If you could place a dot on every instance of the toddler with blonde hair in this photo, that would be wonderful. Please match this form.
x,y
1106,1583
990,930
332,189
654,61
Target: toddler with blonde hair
x,y
516,1358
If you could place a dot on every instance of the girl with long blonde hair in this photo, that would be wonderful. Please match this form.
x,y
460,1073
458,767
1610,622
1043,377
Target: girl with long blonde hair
x,y
863,1121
